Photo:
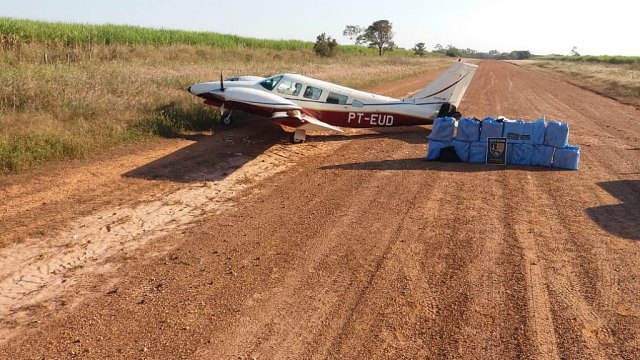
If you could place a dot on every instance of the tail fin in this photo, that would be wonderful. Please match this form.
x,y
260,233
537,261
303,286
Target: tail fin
x,y
448,88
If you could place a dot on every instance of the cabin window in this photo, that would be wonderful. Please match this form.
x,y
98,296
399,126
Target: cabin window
x,y
312,93
356,103
271,82
334,98
289,87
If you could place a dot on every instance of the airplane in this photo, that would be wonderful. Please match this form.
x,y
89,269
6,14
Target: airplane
x,y
304,103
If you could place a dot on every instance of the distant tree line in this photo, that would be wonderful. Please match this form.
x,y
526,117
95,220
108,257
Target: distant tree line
x,y
379,35
453,51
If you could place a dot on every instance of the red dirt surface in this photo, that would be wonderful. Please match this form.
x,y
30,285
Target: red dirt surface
x,y
239,246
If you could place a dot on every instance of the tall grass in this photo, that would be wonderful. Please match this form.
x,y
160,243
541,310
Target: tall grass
x,y
596,59
69,34
87,100
14,32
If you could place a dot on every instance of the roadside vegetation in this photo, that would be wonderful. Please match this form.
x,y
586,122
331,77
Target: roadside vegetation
x,y
66,95
595,59
617,80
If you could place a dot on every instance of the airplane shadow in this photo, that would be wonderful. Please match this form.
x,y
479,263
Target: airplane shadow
x,y
214,157
421,164
623,219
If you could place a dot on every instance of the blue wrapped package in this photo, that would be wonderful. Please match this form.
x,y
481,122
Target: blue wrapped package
x,y
509,152
468,129
512,130
567,158
490,127
442,129
557,134
462,149
478,152
433,153
533,132
522,154
542,155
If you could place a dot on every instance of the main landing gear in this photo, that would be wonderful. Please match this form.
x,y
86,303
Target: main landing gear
x,y
225,119
298,136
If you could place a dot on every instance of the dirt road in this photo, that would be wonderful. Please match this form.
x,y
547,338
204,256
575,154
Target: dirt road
x,y
238,246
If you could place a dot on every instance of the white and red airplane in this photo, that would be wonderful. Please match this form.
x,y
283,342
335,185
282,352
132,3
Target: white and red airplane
x,y
305,103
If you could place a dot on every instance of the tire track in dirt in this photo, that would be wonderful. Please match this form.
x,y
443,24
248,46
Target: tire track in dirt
x,y
31,273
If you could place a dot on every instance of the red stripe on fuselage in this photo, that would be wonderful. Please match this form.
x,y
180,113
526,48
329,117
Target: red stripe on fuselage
x,y
353,119
346,119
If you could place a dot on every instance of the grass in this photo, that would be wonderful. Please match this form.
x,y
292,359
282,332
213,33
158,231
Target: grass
x,y
620,81
88,98
596,59
17,32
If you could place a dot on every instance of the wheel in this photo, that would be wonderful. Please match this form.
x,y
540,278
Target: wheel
x,y
295,139
457,115
226,120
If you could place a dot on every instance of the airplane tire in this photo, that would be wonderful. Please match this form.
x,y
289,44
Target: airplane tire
x,y
226,120
294,140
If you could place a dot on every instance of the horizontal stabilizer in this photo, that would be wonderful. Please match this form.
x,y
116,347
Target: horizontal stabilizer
x,y
306,122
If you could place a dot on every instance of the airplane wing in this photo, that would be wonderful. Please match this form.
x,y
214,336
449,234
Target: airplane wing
x,y
302,121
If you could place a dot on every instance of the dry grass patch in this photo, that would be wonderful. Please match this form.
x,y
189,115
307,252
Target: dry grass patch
x,y
88,100
617,81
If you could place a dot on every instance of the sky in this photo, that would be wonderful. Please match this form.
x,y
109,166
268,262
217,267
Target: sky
x,y
540,26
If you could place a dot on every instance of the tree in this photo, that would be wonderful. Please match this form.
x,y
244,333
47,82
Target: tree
x,y
378,35
439,49
353,32
419,49
574,51
325,46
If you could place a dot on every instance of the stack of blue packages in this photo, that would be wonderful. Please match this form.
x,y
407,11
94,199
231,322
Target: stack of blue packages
x,y
542,155
557,134
533,132
468,132
567,158
441,136
490,127
478,152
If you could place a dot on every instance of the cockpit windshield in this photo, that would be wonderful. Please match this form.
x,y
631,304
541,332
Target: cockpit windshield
x,y
271,82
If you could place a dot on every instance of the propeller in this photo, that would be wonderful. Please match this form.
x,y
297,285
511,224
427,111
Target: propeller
x,y
221,82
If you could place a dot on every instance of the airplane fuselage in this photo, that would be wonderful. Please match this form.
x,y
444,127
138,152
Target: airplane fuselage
x,y
333,104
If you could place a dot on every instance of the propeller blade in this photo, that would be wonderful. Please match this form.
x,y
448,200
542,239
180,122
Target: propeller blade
x,y
221,82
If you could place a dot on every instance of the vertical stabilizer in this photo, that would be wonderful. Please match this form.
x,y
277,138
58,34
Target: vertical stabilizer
x,y
448,88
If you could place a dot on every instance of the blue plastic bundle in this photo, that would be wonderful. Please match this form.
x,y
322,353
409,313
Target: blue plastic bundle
x,y
513,129
533,132
557,134
468,129
509,152
490,127
462,148
522,154
567,158
433,153
478,152
542,155
442,129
